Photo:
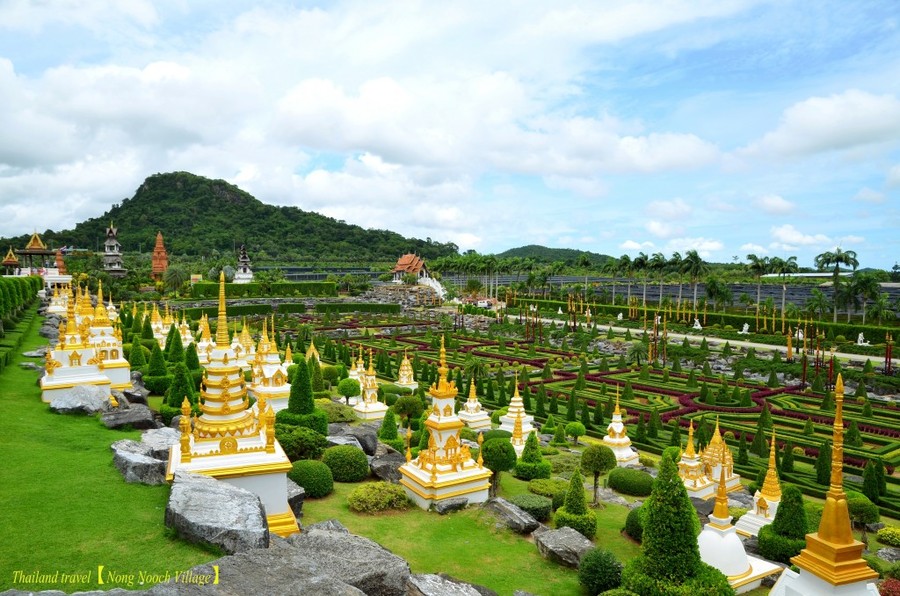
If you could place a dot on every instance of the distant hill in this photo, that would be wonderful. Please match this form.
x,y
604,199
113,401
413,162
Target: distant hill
x,y
543,254
197,216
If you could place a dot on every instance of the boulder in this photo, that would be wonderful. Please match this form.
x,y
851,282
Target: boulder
x,y
703,507
204,510
334,440
365,435
134,462
387,467
564,546
357,561
889,553
515,518
136,416
50,332
32,366
445,506
296,494
330,525
608,495
383,449
159,441
874,527
741,499
82,399
138,393
38,353
751,545
430,584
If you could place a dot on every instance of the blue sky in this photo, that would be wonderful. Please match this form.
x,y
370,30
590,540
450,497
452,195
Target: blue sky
x,y
726,126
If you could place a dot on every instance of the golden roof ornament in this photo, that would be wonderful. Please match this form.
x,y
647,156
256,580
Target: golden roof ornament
x,y
721,509
288,356
222,322
472,396
771,489
371,371
517,429
617,412
690,445
443,388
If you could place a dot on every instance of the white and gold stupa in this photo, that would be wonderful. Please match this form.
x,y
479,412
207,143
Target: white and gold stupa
x,y
832,563
358,372
270,377
72,362
58,301
205,344
106,341
368,407
698,470
721,547
228,441
617,439
516,410
405,377
472,413
765,501
446,469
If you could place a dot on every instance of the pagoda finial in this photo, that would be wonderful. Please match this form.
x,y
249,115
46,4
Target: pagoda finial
x,y
721,509
288,356
690,446
443,387
771,489
516,384
517,429
442,369
222,321
472,395
835,524
617,411
371,371
99,291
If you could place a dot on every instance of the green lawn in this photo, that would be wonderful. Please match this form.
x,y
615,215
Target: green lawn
x,y
65,507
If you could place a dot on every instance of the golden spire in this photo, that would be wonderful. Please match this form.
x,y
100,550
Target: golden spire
x,y
371,371
617,411
288,356
472,396
274,342
831,553
690,446
721,509
771,489
516,385
517,429
790,350
222,321
101,315
717,436
443,388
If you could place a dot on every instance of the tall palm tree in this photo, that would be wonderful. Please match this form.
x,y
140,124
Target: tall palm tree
x,y
627,269
866,287
758,266
584,262
659,265
695,268
836,258
715,290
783,267
611,268
676,265
641,266
881,308
817,304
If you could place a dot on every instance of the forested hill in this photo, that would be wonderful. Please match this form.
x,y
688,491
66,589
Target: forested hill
x,y
197,215
543,254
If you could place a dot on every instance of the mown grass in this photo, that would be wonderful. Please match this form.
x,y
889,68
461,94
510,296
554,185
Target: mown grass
x,y
65,507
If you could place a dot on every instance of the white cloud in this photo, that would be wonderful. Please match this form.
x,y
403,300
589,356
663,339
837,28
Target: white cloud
x,y
867,195
787,237
751,248
842,121
662,229
634,245
674,209
893,177
705,247
773,204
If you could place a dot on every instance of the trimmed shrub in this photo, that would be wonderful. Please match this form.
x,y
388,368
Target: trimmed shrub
x,y
496,434
318,420
539,507
707,580
574,513
347,463
532,465
889,535
634,524
314,476
495,416
158,385
334,411
373,497
779,548
630,481
599,571
300,442
785,537
555,489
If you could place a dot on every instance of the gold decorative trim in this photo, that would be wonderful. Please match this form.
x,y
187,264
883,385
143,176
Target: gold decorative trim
x,y
283,524
442,496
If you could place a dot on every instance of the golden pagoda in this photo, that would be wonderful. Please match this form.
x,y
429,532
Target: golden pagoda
x,y
692,471
831,563
446,469
206,344
269,381
516,410
311,351
107,344
359,371
617,439
228,441
405,377
716,455
472,414
765,501
368,407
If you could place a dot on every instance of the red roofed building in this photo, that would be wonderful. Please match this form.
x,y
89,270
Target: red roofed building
x,y
410,264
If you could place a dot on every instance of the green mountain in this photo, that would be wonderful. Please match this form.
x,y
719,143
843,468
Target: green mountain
x,y
199,216
543,254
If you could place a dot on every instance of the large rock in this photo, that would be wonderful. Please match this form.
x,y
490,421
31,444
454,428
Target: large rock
x,y
159,441
387,467
296,494
383,449
50,332
889,553
334,440
564,546
137,416
82,399
445,506
138,393
357,561
430,584
134,462
366,435
608,495
329,525
38,353
205,510
515,518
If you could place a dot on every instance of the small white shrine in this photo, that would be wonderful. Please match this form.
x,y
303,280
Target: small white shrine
x,y
698,470
516,409
369,408
765,501
269,383
472,413
446,469
617,439
405,376
106,341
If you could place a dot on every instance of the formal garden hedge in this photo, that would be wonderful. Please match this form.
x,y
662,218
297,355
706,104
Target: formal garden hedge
x,y
344,307
208,289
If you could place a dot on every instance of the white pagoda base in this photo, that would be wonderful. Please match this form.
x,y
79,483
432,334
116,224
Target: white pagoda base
x,y
625,455
751,522
411,386
118,372
264,474
508,422
805,583
475,420
469,481
370,410
721,548
275,396
66,377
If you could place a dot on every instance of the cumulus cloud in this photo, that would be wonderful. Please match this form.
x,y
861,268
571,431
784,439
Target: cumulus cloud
x,y
867,195
787,237
674,209
773,204
662,229
705,247
634,245
841,121
752,248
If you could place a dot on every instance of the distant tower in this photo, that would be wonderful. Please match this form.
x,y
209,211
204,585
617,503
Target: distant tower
x,y
112,253
160,258
244,274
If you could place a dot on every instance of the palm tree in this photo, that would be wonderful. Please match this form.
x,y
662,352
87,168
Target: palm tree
x,y
837,257
584,262
695,267
758,266
783,267
611,268
714,290
626,268
866,287
175,278
881,308
659,264
817,304
637,352
676,265
640,264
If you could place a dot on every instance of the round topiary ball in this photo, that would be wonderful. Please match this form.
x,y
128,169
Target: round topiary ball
x,y
314,476
599,571
347,463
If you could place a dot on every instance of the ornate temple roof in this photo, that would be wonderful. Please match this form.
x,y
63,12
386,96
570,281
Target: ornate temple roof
x,y
35,243
11,258
409,263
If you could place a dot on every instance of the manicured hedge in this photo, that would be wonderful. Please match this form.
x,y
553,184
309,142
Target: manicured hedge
x,y
630,482
539,507
347,463
342,307
291,307
552,488
373,497
314,476
207,289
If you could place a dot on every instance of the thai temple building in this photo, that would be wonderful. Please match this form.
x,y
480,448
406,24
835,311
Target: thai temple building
x,y
244,274
405,377
617,439
516,410
312,352
472,413
270,377
228,441
765,501
698,470
446,469
10,262
160,262
722,548
368,407
112,253
37,259
72,362
412,264
358,372
832,563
